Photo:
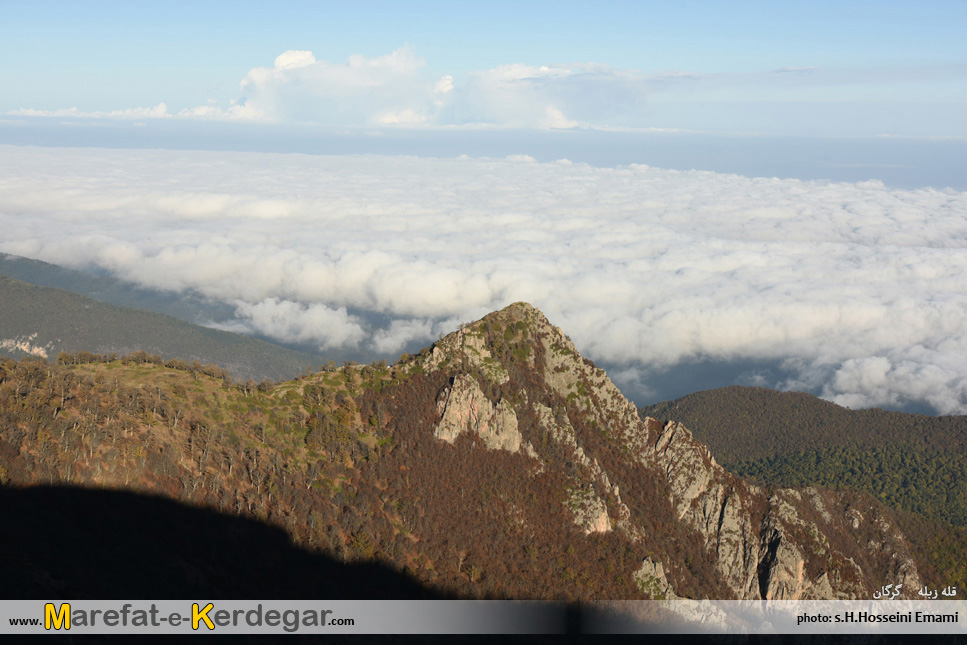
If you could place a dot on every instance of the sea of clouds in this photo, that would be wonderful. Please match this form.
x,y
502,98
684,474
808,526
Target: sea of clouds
x,y
850,290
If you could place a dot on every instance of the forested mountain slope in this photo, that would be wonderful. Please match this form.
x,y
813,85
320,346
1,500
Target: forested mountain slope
x,y
44,321
748,423
496,463
188,306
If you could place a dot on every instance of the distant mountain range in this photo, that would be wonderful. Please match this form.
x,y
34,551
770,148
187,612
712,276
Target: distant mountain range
x,y
44,321
187,306
496,463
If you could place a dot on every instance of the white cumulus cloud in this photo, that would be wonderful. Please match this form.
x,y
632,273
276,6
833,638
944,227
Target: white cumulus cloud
x,y
294,59
360,91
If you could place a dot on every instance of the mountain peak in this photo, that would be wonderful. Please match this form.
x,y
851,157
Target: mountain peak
x,y
520,308
513,338
517,384
519,312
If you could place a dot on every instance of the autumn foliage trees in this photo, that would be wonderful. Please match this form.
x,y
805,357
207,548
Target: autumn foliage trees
x,y
343,460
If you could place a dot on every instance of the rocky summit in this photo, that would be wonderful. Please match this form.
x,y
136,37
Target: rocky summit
x,y
496,463
784,544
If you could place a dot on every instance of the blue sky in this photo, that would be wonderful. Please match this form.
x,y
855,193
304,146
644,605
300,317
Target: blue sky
x,y
808,69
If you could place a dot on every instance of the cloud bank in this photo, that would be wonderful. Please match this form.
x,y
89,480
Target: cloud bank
x,y
397,90
388,89
858,290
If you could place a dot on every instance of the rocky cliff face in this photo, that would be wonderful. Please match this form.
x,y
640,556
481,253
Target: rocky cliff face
x,y
783,544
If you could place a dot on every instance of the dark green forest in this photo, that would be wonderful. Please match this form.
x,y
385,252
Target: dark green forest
x,y
928,483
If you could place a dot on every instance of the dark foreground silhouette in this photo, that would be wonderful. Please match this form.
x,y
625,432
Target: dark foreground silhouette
x,y
62,543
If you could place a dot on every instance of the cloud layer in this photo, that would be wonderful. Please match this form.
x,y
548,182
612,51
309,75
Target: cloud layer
x,y
857,289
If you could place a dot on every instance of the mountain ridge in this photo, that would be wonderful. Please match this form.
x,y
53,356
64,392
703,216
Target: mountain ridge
x,y
44,321
498,462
